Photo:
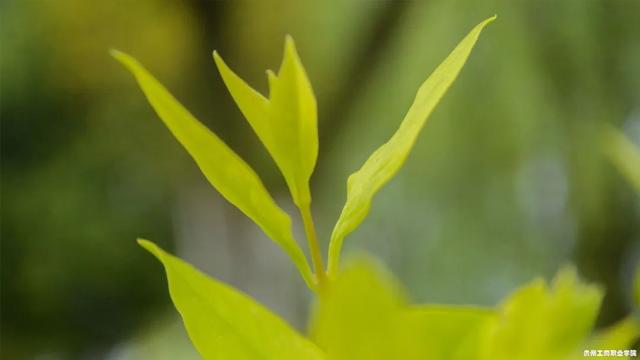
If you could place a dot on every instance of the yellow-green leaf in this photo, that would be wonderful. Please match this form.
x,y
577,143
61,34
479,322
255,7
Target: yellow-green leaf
x,y
224,169
357,314
624,155
622,334
541,323
362,314
286,123
446,332
387,160
223,323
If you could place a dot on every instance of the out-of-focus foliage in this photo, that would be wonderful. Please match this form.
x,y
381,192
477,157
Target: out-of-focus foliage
x,y
621,335
74,181
364,315
624,155
344,325
542,323
163,338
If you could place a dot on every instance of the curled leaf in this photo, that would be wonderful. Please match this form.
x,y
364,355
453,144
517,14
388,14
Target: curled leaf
x,y
387,160
286,123
224,169
222,322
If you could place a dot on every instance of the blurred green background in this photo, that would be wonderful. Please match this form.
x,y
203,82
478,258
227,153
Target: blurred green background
x,y
506,182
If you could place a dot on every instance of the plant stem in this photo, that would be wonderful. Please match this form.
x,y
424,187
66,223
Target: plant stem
x,y
314,248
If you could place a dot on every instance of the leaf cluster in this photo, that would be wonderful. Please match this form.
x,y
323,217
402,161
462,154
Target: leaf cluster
x,y
361,311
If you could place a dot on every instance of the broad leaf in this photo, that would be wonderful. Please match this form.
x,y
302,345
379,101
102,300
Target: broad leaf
x,y
223,323
286,123
356,315
446,332
387,160
624,155
224,169
363,315
541,323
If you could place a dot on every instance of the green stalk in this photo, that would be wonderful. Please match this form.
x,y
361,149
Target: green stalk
x,y
314,248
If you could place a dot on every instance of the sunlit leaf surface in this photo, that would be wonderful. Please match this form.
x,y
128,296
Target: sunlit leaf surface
x,y
538,322
387,160
363,315
356,315
224,169
286,122
446,332
224,323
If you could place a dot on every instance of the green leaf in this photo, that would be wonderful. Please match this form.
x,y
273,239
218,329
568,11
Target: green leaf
x,y
618,336
446,332
286,123
387,160
541,323
224,169
223,323
363,315
357,313
624,155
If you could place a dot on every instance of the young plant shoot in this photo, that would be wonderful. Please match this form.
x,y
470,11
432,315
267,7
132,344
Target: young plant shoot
x,y
361,311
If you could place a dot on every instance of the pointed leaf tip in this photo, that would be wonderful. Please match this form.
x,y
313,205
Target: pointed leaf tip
x,y
217,58
123,58
114,52
146,244
286,122
142,242
288,40
385,162
224,323
234,179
